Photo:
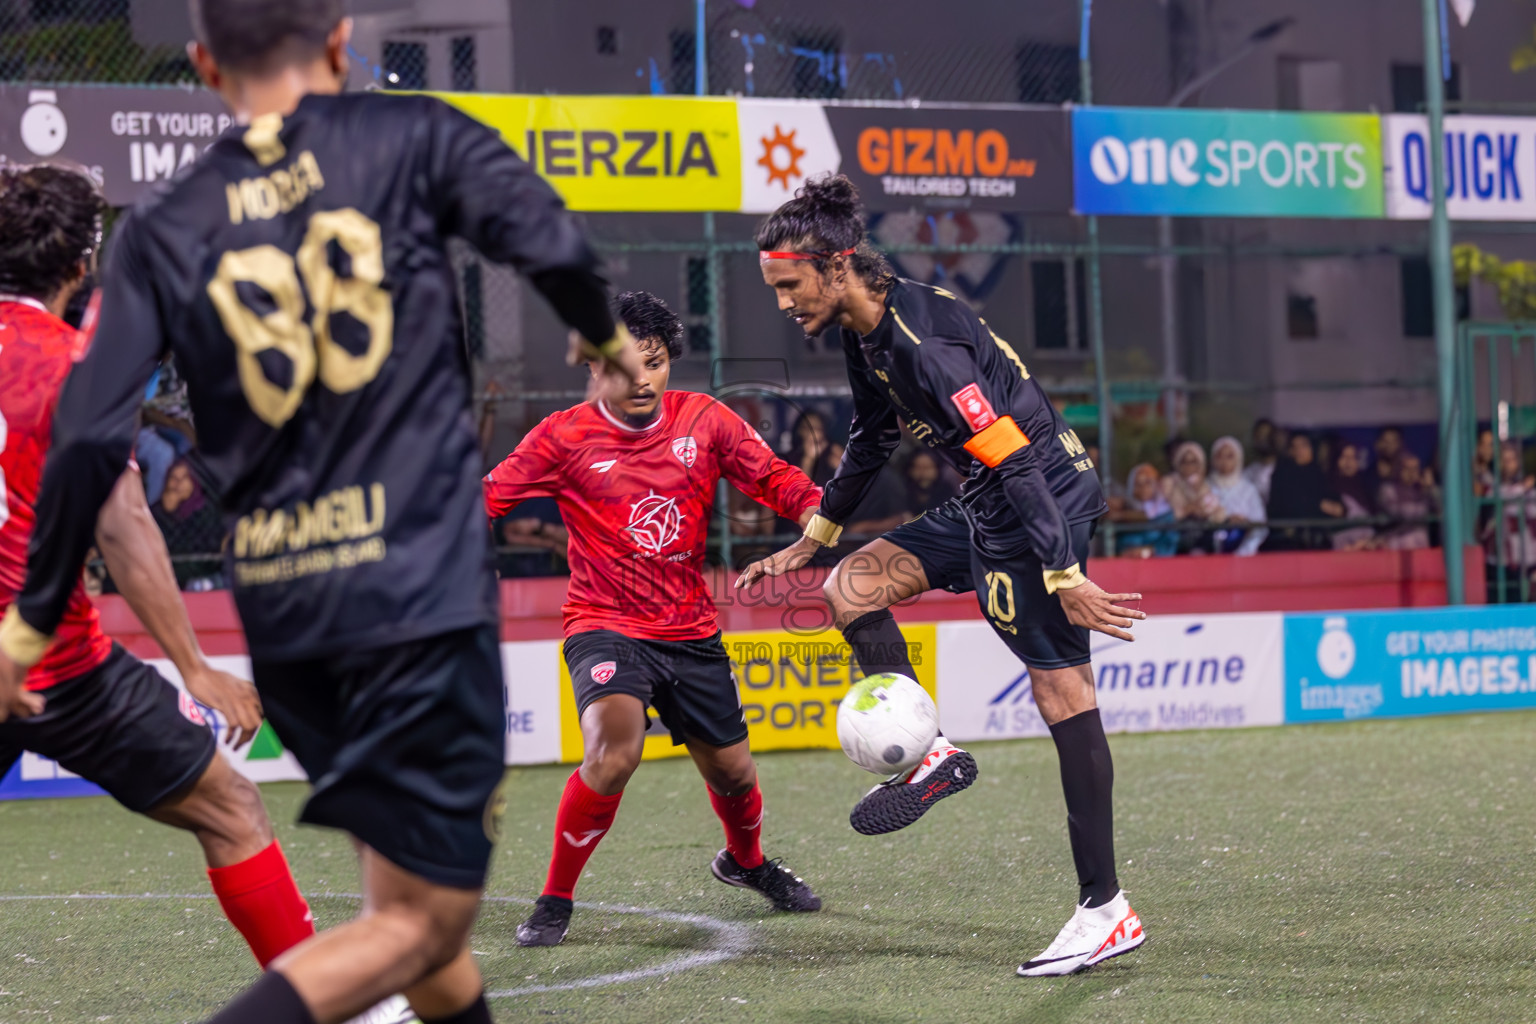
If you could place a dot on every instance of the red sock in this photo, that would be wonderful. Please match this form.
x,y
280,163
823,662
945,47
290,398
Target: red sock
x,y
583,819
261,900
742,817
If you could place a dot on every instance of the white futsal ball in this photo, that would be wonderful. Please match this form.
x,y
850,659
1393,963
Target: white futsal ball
x,y
887,723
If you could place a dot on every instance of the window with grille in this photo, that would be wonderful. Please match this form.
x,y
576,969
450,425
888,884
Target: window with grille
x,y
405,65
461,52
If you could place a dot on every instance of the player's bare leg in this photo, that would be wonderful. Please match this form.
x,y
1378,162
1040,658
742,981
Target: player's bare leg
x,y
1103,925
246,866
613,737
730,775
408,932
861,590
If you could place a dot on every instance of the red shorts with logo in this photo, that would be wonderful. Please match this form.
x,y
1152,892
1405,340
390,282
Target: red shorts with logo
x,y
688,682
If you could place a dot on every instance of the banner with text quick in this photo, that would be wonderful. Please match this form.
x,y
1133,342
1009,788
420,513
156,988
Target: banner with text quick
x,y
1226,163
1183,672
1352,665
1490,167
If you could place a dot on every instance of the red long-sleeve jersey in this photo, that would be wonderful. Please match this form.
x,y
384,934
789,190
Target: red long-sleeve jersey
x,y
37,350
637,506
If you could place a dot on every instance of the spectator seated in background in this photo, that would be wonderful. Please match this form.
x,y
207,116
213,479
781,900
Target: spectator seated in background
x,y
926,485
1510,537
1239,499
810,450
1356,493
192,526
1267,442
1189,494
1389,443
1406,498
1142,507
537,535
1300,491
1483,477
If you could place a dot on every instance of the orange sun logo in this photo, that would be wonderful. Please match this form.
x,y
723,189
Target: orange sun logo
x,y
786,142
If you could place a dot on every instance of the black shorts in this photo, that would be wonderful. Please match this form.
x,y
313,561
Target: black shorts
x,y
121,725
941,540
1011,592
688,682
405,747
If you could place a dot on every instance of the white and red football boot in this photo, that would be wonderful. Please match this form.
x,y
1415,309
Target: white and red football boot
x,y
1091,936
905,797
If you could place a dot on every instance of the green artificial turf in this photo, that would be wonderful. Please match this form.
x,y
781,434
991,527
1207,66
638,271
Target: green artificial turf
x,y
1377,871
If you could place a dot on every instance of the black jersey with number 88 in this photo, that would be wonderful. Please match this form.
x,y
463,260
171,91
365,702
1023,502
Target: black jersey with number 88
x,y
300,274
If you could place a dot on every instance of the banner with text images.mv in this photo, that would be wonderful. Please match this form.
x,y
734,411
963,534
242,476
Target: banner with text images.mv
x,y
126,137
1490,167
1433,661
1183,672
1232,163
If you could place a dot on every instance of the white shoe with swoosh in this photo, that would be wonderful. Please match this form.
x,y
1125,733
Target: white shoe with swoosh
x,y
1090,937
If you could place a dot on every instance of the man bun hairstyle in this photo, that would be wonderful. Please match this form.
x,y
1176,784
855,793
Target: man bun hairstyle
x,y
258,36
825,219
649,319
50,222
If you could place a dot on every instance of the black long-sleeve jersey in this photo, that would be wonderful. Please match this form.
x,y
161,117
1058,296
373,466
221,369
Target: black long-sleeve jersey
x,y
935,366
299,273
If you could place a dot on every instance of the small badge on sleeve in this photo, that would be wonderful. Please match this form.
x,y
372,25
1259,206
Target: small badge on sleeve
x,y
974,407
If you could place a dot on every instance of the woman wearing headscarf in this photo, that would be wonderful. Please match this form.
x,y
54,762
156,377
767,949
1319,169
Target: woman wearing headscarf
x,y
1142,506
1300,491
1407,498
1356,494
1188,493
192,526
1239,498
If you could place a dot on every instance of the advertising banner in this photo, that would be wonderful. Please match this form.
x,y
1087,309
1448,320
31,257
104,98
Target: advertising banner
x,y
783,142
622,153
789,684
1183,672
127,137
532,698
1392,664
956,157
1490,167
1226,163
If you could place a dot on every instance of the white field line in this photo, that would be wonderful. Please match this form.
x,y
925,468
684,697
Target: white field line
x,y
728,940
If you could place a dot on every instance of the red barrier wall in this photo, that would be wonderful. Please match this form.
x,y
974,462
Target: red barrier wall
x,y
1303,581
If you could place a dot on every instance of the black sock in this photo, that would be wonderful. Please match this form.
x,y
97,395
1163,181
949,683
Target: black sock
x,y
476,1012
878,644
1088,781
272,1000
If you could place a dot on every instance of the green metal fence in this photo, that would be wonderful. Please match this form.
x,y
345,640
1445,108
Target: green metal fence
x,y
1496,404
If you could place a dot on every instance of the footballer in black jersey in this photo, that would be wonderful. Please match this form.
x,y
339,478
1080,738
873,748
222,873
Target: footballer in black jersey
x,y
299,273
1017,534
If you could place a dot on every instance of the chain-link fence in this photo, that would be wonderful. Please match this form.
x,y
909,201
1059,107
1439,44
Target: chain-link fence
x,y
1209,324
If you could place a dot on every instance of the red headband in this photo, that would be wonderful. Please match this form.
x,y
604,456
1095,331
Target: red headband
x,y
763,255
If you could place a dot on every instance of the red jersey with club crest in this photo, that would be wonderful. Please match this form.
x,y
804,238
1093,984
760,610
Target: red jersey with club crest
x,y
37,350
637,505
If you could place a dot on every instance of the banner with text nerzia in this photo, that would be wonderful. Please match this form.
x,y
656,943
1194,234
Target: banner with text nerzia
x,y
1226,163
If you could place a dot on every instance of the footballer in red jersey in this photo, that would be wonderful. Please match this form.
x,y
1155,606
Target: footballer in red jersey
x,y
88,704
635,480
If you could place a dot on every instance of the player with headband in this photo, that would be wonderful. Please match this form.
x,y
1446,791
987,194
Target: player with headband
x,y
1018,534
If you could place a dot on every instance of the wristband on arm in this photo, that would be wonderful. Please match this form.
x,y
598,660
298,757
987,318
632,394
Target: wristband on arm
x,y
1064,579
20,642
823,530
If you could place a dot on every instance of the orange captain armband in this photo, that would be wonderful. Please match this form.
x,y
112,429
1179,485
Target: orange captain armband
x,y
998,441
